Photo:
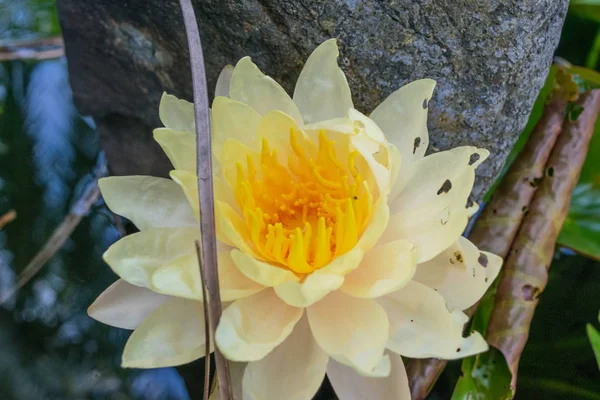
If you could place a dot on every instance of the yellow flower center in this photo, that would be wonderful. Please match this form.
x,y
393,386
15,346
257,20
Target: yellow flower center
x,y
303,216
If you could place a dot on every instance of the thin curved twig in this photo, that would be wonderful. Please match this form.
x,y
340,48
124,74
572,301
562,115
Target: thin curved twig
x,y
205,189
206,324
58,238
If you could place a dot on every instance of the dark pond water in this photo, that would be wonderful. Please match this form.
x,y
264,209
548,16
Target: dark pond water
x,y
49,347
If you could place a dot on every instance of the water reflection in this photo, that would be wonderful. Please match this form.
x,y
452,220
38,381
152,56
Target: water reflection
x,y
49,347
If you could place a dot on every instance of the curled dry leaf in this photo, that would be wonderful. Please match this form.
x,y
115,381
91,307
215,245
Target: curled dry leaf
x,y
526,269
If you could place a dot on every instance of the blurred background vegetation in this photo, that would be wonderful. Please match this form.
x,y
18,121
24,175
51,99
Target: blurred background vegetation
x,y
51,349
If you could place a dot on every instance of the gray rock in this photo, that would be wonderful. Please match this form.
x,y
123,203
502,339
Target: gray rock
x,y
490,58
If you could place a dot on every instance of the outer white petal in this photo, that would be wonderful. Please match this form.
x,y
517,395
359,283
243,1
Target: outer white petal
x,y
147,201
422,326
223,81
252,327
322,91
180,147
249,85
403,119
124,305
136,257
294,370
177,114
172,335
430,210
349,385
352,331
425,181
461,273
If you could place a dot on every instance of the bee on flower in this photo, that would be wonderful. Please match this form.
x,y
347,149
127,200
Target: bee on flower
x,y
339,241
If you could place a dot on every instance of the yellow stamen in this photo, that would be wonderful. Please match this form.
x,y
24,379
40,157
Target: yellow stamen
x,y
302,215
297,260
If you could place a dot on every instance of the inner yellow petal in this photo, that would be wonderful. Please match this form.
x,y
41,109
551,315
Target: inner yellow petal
x,y
303,214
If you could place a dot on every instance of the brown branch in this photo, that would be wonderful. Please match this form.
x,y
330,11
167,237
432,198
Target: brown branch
x,y
36,49
206,324
7,218
497,226
526,269
56,41
205,189
30,54
58,238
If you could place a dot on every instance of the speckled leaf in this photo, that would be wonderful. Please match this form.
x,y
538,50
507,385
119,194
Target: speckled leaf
x,y
526,269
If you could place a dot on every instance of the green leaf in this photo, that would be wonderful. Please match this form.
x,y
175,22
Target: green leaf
x,y
557,363
588,9
594,337
485,376
581,230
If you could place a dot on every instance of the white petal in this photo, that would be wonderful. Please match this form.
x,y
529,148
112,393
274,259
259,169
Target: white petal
x,y
368,148
384,269
294,370
232,119
425,178
249,85
376,227
403,119
136,257
223,81
181,278
124,305
320,282
252,327
188,182
461,273
430,210
177,114
172,335
180,147
369,126
349,385
322,91
353,331
261,272
232,282
421,325
147,201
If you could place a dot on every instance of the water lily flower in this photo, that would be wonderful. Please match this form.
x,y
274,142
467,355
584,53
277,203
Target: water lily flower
x,y
339,241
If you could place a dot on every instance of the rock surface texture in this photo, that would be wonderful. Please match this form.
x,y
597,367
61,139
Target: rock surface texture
x,y
490,58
